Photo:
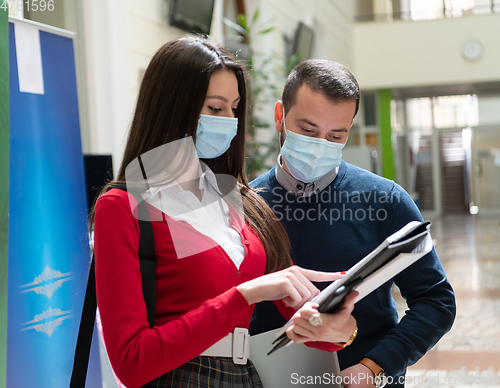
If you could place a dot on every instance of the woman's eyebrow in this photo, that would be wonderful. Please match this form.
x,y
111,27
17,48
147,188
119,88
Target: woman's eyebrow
x,y
223,98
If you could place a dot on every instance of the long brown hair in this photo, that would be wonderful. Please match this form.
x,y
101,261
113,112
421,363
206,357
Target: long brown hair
x,y
170,100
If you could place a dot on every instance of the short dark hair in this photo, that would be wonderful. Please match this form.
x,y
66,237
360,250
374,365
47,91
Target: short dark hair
x,y
329,78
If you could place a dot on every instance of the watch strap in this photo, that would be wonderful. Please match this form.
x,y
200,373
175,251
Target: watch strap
x,y
372,365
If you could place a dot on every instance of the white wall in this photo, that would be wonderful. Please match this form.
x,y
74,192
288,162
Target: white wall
x,y
120,38
149,30
104,34
405,54
331,21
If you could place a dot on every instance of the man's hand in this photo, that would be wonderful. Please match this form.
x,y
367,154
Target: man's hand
x,y
358,376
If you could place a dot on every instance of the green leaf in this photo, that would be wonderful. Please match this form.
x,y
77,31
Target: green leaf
x,y
242,21
292,62
255,15
266,31
234,26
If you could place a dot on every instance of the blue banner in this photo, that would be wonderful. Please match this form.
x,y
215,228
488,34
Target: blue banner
x,y
48,252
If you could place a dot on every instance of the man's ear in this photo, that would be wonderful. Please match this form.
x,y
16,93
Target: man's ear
x,y
278,115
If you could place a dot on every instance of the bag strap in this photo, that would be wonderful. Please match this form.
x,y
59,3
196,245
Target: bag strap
x,y
147,262
146,252
82,351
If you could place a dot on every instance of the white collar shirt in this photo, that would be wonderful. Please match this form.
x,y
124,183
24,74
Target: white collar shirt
x,y
210,216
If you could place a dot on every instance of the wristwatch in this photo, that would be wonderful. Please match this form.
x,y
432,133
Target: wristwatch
x,y
380,376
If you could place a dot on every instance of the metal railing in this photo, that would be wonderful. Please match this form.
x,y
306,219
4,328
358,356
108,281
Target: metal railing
x,y
445,12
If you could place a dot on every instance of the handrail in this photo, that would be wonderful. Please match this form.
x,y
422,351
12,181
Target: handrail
x,y
448,12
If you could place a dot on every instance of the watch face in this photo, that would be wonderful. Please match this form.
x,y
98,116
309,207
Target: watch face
x,y
380,380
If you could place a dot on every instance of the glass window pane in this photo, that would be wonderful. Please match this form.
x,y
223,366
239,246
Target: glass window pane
x,y
397,115
487,169
424,182
426,9
482,7
419,114
457,8
370,109
455,111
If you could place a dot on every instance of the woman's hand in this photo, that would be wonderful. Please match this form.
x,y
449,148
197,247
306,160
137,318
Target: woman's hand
x,y
292,284
337,327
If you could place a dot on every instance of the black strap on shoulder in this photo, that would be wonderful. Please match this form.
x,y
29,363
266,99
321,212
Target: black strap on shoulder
x,y
147,255
84,340
147,262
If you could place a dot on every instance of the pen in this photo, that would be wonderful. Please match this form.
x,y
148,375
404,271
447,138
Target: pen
x,y
330,305
283,341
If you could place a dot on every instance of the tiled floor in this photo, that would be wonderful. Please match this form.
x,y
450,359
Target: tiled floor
x,y
469,355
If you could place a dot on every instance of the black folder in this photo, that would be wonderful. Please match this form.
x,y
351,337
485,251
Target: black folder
x,y
411,239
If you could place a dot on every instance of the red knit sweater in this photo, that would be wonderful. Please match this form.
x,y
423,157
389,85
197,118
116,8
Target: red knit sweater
x,y
197,303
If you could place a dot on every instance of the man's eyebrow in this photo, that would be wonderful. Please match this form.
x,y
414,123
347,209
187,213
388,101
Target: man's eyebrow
x,y
306,121
223,98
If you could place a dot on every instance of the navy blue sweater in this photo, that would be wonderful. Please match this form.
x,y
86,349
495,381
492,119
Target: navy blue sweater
x,y
334,229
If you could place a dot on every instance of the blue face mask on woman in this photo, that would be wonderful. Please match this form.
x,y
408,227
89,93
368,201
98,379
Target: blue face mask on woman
x,y
308,158
214,135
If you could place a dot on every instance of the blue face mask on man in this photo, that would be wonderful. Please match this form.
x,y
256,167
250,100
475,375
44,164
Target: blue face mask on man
x,y
214,135
308,158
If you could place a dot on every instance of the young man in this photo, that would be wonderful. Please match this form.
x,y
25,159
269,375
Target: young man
x,y
336,213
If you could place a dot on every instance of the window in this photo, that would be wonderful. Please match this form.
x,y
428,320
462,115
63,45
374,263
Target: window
x,y
427,113
455,111
416,10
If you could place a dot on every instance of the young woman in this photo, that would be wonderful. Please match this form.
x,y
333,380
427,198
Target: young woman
x,y
209,274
